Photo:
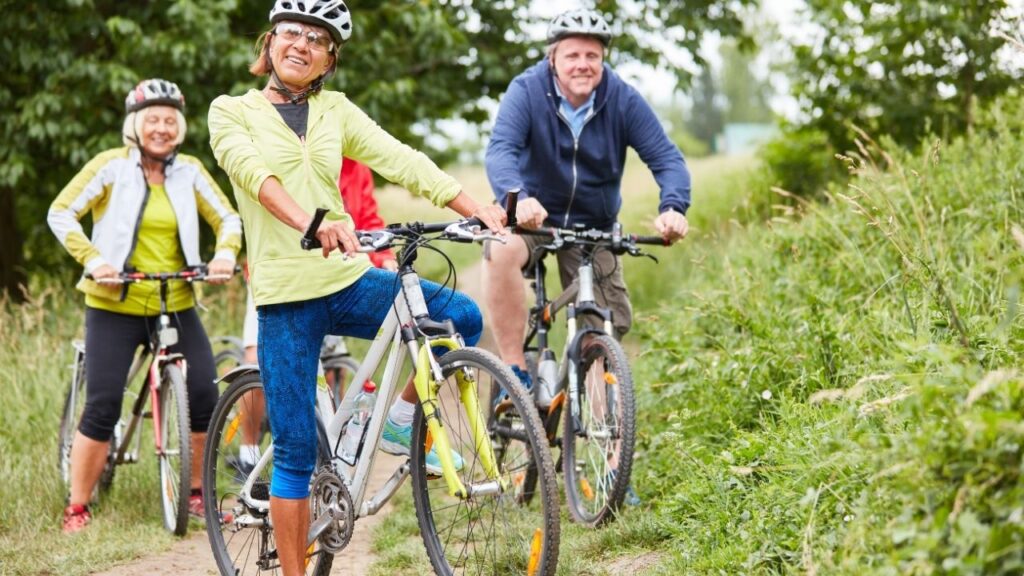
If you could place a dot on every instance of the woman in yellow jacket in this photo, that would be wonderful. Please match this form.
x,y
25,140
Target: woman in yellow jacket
x,y
145,200
282,147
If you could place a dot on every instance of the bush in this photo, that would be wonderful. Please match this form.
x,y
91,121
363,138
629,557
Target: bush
x,y
802,162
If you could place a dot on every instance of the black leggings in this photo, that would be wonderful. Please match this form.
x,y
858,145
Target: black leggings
x,y
111,340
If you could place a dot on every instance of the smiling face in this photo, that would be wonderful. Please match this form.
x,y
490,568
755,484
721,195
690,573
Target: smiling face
x,y
159,130
578,64
298,62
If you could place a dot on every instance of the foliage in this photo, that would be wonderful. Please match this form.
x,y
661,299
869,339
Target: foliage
x,y
838,393
408,65
905,69
706,120
801,161
746,94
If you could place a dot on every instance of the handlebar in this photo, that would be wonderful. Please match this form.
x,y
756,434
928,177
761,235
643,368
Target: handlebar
x,y
614,240
465,230
195,274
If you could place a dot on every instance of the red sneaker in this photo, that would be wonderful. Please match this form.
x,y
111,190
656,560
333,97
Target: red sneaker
x,y
197,510
196,506
76,517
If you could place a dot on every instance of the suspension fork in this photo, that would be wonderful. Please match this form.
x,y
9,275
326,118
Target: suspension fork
x,y
426,389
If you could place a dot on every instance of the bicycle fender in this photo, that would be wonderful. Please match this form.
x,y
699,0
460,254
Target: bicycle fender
x,y
237,372
574,362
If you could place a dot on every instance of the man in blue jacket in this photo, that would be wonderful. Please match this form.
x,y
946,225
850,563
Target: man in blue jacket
x,y
560,137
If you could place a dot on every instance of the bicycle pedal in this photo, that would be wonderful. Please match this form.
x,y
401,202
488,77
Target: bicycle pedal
x,y
147,414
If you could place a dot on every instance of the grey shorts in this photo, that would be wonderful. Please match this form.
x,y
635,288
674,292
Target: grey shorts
x,y
610,289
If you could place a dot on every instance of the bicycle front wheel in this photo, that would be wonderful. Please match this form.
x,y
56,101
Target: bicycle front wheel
x,y
175,454
243,540
599,431
492,531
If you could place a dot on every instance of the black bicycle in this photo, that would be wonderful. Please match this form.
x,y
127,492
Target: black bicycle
x,y
590,391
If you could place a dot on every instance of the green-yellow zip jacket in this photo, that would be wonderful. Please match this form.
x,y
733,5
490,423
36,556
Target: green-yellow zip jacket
x,y
252,143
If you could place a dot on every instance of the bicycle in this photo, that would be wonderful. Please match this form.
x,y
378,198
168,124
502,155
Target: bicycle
x,y
590,391
471,519
164,388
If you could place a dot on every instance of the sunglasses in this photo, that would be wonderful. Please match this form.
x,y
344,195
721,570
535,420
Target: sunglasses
x,y
291,32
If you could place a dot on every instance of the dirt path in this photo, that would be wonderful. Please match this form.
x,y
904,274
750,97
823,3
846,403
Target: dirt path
x,y
191,555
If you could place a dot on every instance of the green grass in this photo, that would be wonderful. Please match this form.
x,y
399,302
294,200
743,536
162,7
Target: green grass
x,y
831,390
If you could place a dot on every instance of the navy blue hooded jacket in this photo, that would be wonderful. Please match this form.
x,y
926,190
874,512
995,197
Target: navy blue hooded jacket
x,y
532,148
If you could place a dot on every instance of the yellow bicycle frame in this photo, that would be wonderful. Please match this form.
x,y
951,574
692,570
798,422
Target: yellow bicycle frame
x,y
426,389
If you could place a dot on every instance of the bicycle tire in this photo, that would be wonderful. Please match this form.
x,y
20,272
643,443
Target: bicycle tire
x,y
174,461
71,417
339,371
240,549
521,538
594,491
505,426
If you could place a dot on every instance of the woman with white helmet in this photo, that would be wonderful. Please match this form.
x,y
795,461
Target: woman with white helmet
x,y
145,200
282,147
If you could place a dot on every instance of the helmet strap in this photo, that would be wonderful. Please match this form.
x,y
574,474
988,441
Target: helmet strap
x,y
294,97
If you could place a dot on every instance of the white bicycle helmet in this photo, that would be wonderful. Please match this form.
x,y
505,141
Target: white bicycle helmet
x,y
331,14
580,22
153,92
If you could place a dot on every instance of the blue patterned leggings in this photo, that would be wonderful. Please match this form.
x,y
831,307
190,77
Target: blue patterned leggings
x,y
289,347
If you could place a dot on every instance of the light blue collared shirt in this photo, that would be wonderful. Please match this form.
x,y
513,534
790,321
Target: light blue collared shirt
x,y
576,116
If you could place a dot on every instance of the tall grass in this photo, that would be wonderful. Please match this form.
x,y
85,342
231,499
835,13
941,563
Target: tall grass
x,y
838,392
35,359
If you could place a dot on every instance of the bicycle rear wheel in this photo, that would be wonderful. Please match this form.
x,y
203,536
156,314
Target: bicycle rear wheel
x,y
243,541
339,372
597,447
175,457
489,533
71,417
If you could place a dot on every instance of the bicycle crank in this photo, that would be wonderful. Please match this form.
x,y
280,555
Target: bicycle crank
x,y
332,510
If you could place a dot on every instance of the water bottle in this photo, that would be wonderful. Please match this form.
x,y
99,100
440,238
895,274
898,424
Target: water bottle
x,y
547,376
356,426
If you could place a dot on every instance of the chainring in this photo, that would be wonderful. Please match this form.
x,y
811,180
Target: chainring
x,y
329,491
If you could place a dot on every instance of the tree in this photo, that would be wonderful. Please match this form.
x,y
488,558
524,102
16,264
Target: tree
x,y
746,95
706,115
409,64
901,68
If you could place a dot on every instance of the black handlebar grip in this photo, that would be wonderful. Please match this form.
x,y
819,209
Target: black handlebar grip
x,y
309,241
656,240
511,200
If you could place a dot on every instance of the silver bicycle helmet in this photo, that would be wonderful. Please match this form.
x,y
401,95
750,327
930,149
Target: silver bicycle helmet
x,y
331,14
152,92
580,22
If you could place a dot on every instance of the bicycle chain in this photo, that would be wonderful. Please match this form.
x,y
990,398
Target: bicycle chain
x,y
329,491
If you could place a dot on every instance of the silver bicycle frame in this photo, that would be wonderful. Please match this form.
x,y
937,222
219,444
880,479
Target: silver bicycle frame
x,y
409,302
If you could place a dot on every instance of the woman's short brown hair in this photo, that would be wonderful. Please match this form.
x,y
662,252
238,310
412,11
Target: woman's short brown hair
x,y
261,66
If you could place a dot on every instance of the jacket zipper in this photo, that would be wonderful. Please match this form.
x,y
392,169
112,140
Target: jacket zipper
x,y
135,233
575,152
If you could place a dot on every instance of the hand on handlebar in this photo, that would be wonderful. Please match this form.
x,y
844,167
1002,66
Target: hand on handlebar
x,y
530,214
219,271
493,217
106,274
336,234
671,225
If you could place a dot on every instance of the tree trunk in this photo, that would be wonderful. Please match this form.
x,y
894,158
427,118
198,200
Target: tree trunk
x,y
12,270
